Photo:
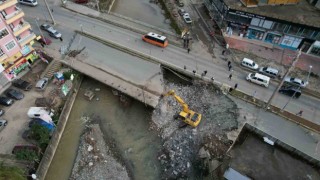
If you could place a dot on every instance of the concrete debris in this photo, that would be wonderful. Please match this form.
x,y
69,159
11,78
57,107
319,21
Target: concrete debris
x,y
94,158
181,145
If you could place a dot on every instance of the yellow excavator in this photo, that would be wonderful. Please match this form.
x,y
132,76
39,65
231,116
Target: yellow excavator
x,y
186,115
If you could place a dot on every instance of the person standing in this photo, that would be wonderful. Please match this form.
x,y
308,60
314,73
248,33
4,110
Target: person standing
x,y
299,113
223,51
229,63
230,66
236,86
188,50
230,76
61,39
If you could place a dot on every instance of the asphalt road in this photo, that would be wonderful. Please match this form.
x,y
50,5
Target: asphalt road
x,y
68,21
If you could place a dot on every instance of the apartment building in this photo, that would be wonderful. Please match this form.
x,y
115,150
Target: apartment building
x,y
291,24
16,39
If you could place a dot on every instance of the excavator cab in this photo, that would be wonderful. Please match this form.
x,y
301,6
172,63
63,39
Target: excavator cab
x,y
186,115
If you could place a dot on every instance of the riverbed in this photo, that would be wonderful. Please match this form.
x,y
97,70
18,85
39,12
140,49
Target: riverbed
x,y
127,126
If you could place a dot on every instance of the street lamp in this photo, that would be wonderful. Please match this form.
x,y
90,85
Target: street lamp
x,y
44,39
310,67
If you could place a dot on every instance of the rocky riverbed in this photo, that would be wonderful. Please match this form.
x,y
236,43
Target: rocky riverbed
x,y
95,160
185,148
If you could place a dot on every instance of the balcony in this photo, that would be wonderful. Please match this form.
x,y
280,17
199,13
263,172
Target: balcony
x,y
14,16
7,3
21,28
3,57
27,39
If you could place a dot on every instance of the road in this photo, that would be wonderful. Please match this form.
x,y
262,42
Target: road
x,y
68,21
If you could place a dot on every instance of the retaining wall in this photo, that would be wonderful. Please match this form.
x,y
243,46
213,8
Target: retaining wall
x,y
55,139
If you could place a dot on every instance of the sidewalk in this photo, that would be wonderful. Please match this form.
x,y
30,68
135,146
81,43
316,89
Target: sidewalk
x,y
274,53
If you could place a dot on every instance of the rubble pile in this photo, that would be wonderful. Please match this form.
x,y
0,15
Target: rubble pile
x,y
94,158
181,148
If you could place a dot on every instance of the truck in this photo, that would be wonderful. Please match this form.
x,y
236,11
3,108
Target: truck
x,y
36,112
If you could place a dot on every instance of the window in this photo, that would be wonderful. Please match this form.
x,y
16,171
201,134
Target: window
x,y
10,45
4,32
1,52
261,23
315,51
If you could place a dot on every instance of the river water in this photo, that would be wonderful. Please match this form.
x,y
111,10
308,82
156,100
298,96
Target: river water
x,y
126,125
142,10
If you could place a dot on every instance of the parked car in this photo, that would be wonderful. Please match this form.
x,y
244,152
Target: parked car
x,y
249,64
29,2
1,112
42,83
269,71
22,84
292,91
15,94
45,40
258,79
45,27
186,18
3,122
181,12
6,101
54,33
295,81
180,3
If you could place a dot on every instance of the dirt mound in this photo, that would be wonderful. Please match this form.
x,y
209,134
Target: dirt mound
x,y
181,148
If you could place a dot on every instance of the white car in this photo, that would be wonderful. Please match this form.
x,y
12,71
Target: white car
x,y
54,33
186,18
295,81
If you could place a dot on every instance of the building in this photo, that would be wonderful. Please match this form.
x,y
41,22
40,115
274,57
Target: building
x,y
16,39
290,24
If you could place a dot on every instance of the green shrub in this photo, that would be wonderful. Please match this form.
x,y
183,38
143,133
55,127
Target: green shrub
x,y
26,154
11,173
41,135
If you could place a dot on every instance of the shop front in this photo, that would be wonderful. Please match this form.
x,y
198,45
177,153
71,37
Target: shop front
x,y
273,38
291,42
254,33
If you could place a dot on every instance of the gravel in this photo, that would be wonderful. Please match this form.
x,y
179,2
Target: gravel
x,y
181,149
94,159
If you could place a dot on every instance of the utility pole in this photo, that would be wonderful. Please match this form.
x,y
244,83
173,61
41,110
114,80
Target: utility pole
x,y
294,61
49,10
44,39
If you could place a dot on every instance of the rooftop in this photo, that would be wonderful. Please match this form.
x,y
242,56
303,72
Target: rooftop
x,y
256,159
301,13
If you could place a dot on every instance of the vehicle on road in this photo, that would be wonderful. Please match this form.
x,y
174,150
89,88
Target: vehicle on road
x,y
186,18
269,71
6,101
181,12
258,79
249,64
292,91
29,2
180,3
155,39
44,40
45,27
1,112
54,33
3,122
14,94
22,84
295,81
186,115
42,84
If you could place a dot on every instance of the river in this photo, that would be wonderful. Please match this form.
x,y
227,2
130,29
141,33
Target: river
x,y
126,125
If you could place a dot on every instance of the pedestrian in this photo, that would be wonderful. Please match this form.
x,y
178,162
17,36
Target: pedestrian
x,y
223,51
230,76
194,71
229,63
235,86
299,113
212,79
42,45
184,67
205,72
230,66
188,50
61,39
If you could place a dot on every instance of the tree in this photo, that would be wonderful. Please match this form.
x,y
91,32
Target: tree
x,y
41,134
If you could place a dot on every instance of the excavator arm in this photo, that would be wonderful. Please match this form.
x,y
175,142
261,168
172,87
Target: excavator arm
x,y
179,99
